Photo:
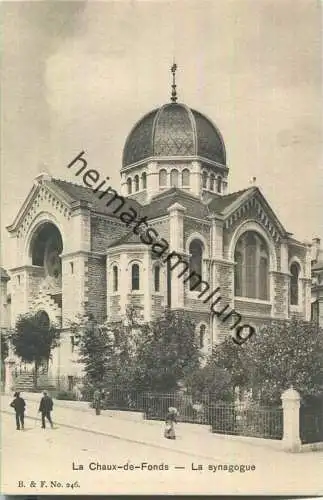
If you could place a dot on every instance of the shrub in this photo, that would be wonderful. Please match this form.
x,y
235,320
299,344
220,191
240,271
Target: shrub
x,y
66,395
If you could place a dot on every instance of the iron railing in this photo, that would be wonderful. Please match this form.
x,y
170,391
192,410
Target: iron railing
x,y
311,420
242,420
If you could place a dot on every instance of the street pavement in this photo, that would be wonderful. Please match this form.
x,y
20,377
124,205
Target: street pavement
x,y
140,460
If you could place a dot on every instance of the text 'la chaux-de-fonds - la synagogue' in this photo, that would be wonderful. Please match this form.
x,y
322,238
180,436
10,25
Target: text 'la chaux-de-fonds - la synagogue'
x,y
72,251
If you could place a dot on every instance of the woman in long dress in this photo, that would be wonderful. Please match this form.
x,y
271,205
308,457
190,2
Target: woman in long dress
x,y
169,432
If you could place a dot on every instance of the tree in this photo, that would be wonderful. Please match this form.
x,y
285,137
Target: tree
x,y
281,354
4,347
167,352
33,339
211,381
106,350
234,359
4,352
284,354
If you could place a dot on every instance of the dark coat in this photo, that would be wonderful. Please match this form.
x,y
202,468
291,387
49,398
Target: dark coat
x,y
46,404
171,417
18,404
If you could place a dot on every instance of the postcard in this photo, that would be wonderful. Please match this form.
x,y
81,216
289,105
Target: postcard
x,y
161,256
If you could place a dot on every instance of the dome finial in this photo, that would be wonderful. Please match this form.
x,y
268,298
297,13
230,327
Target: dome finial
x,y
174,93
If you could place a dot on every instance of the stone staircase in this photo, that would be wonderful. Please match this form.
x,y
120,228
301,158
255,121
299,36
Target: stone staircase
x,y
25,383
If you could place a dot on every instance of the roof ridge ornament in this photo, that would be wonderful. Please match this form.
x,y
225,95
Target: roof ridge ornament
x,y
174,92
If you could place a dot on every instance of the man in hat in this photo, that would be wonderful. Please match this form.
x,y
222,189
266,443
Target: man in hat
x,y
19,406
45,407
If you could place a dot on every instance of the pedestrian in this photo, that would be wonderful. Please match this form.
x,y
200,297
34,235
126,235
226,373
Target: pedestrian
x,y
19,406
97,401
45,407
169,432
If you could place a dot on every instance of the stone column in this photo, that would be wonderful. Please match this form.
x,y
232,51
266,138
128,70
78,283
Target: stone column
x,y
176,240
148,278
9,365
291,404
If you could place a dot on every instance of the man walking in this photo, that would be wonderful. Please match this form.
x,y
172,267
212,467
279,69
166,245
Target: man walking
x,y
97,401
45,407
19,406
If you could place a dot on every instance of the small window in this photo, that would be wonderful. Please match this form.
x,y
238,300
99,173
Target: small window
x,y
72,267
174,178
212,182
72,343
43,319
18,279
204,180
186,177
294,270
219,184
135,277
129,185
136,182
162,178
115,278
202,336
157,278
144,180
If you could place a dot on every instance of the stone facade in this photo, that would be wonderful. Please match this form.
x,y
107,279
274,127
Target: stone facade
x,y
75,254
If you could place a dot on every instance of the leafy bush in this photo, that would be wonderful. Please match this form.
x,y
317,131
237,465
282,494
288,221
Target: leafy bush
x,y
66,395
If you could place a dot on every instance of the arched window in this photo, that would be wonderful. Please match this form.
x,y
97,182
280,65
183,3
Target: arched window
x,y
135,277
136,182
202,336
162,177
196,253
204,180
129,185
252,267
238,274
212,182
174,178
185,177
219,184
294,270
115,278
144,180
43,319
157,278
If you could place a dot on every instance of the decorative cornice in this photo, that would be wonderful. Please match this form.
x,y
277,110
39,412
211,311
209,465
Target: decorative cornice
x,y
175,159
40,192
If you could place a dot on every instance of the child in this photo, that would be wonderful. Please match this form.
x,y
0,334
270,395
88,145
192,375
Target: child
x,y
169,432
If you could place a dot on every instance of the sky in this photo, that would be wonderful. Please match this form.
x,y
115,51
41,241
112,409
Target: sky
x,y
78,75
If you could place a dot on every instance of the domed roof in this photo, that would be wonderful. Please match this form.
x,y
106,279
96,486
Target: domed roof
x,y
174,130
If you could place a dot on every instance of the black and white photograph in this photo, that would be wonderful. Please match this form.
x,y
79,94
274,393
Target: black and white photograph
x,y
161,247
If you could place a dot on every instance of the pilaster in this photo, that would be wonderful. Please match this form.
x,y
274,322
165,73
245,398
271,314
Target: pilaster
x,y
176,240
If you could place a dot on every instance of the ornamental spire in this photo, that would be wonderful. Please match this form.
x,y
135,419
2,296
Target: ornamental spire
x,y
174,93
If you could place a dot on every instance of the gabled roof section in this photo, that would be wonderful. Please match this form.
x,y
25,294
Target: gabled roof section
x,y
40,181
220,203
234,205
82,193
161,202
68,193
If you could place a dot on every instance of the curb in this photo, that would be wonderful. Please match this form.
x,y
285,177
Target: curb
x,y
122,438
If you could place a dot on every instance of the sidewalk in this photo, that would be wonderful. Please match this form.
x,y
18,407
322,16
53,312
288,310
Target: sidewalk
x,y
192,439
